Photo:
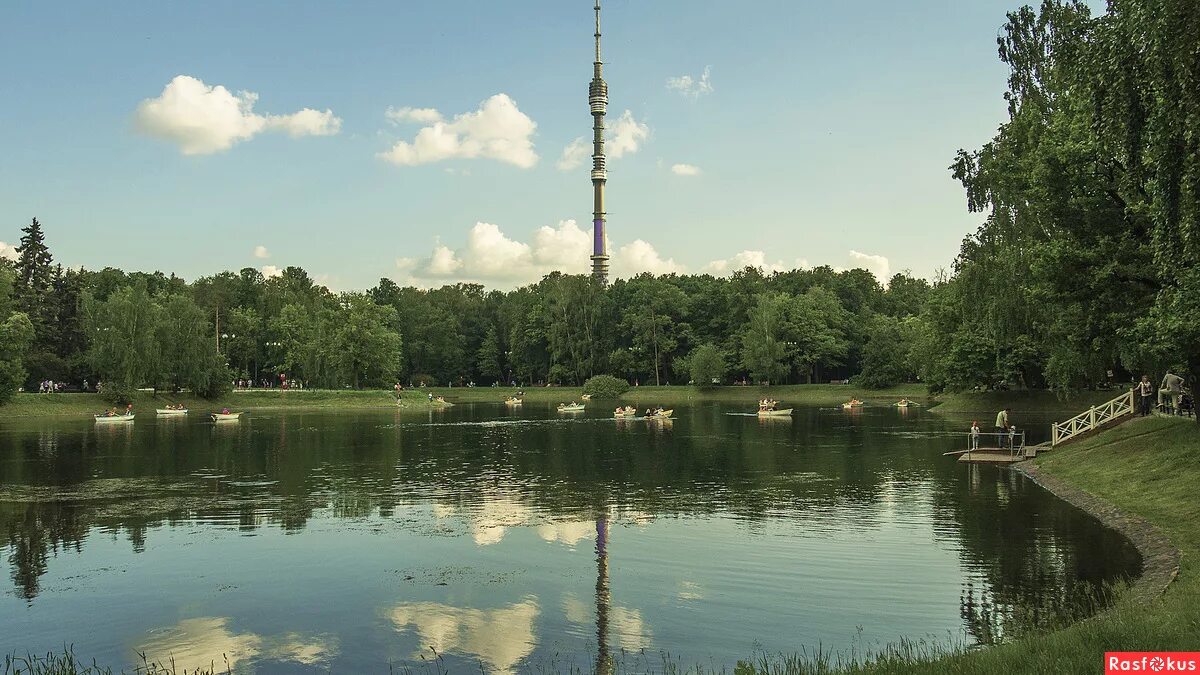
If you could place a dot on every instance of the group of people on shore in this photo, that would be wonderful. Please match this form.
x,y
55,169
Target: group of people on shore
x,y
1170,390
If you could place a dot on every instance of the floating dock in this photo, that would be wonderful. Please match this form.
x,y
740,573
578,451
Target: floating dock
x,y
991,456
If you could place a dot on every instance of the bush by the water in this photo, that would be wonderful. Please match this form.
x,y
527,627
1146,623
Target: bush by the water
x,y
605,386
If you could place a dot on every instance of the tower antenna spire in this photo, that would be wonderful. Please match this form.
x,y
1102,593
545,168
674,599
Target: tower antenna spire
x,y
598,101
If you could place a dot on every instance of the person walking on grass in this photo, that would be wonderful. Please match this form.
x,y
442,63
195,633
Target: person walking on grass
x,y
1172,385
1145,392
1002,426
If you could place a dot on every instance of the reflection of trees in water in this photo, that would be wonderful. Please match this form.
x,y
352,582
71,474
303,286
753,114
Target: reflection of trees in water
x,y
1015,541
1037,562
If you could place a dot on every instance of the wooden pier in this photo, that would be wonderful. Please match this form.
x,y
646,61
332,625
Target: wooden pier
x,y
1001,456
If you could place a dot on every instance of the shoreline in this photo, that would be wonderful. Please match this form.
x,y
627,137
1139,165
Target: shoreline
x,y
1161,559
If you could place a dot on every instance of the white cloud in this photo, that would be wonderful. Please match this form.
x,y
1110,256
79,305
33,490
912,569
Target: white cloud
x,y
691,87
685,170
640,256
491,255
419,115
8,251
626,136
307,122
271,271
756,259
443,262
499,638
875,264
192,643
574,154
261,252
622,137
497,130
203,120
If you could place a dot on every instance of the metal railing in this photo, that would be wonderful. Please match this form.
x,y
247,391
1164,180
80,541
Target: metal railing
x,y
1014,442
1092,418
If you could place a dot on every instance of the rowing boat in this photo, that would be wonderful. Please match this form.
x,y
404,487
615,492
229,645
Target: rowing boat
x,y
105,419
660,415
171,411
513,401
625,414
786,412
586,397
574,407
226,417
852,404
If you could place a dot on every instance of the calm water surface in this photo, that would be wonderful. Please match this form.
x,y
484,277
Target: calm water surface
x,y
526,540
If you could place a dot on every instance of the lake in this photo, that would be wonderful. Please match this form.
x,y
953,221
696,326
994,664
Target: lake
x,y
521,540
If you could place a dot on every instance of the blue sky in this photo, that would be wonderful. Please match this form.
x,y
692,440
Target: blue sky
x,y
827,130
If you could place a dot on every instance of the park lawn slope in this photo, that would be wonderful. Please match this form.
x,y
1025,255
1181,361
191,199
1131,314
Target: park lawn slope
x,y
1148,468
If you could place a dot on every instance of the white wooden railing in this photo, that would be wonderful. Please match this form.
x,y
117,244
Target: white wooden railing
x,y
1092,418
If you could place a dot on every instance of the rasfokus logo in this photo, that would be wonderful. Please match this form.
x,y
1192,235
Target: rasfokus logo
x,y
1151,662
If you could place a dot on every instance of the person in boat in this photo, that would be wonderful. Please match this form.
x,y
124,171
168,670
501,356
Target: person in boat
x,y
224,411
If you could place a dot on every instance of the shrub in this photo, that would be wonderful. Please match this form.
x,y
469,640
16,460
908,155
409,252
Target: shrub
x,y
422,379
605,386
116,394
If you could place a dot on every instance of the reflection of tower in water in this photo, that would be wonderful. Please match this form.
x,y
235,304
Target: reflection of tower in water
x,y
604,662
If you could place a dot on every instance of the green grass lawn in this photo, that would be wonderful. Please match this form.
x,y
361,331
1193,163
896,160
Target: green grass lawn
x,y
69,405
1148,468
789,394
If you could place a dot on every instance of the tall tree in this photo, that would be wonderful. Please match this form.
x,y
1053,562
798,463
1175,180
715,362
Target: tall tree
x,y
763,340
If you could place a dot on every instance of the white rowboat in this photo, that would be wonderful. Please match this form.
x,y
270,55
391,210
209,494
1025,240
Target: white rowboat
x,y
786,412
577,407
664,415
171,411
106,419
226,417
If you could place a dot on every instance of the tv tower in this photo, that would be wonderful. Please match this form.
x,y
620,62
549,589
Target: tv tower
x,y
598,99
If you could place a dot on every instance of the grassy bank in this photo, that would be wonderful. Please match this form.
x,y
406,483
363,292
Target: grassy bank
x,y
1022,401
790,394
1148,468
71,405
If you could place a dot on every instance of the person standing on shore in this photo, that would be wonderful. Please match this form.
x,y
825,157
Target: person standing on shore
x,y
1145,392
1172,385
1002,426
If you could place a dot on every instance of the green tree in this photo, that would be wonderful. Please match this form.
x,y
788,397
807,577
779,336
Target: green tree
x,y
187,358
489,359
16,333
123,332
763,341
885,355
653,319
365,347
242,339
34,279
707,365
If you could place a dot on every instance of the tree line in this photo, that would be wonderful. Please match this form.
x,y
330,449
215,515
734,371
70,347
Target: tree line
x,y
138,329
1084,272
